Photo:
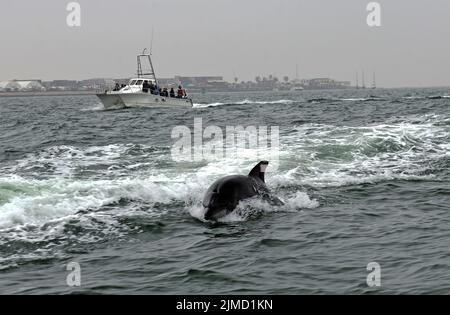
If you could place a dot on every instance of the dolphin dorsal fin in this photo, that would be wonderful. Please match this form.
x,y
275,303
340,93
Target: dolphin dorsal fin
x,y
259,170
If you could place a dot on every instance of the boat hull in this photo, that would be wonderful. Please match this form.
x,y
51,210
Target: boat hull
x,y
122,100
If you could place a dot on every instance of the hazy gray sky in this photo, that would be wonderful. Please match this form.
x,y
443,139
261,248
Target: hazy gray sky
x,y
218,37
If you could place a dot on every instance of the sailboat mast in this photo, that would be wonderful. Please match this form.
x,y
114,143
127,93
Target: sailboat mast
x,y
363,80
357,80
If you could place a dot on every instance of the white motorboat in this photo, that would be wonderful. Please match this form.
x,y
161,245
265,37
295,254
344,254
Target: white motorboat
x,y
137,92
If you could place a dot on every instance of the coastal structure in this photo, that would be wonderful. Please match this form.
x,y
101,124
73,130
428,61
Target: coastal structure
x,y
195,84
21,86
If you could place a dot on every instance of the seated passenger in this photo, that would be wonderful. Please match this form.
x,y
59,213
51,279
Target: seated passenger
x,y
180,92
172,92
165,92
117,87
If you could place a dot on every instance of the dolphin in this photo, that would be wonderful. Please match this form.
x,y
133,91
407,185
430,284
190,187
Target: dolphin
x,y
224,194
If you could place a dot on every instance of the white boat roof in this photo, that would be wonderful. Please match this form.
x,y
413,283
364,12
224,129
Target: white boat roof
x,y
144,79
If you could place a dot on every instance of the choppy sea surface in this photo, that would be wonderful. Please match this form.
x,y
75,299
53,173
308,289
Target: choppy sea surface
x,y
364,175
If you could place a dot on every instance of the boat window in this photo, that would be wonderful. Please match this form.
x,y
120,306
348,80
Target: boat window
x,y
139,82
133,82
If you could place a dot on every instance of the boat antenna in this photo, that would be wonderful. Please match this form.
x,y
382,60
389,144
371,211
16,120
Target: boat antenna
x,y
151,41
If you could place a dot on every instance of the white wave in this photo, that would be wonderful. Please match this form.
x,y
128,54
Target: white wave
x,y
339,178
199,105
67,160
355,99
333,156
95,108
249,208
25,201
265,102
243,102
256,206
414,97
300,200
40,201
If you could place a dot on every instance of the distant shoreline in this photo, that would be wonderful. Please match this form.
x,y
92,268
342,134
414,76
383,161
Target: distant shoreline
x,y
47,93
82,93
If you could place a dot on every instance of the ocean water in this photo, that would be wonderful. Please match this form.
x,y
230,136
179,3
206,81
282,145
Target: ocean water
x,y
364,175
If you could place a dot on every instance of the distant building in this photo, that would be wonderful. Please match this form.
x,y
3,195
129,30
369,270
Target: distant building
x,y
198,81
324,83
30,85
21,86
9,86
61,85
96,84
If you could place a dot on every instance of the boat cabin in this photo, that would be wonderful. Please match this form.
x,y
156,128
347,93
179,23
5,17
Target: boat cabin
x,y
135,85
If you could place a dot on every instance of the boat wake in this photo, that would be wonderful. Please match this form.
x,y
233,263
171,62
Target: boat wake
x,y
244,102
256,207
330,100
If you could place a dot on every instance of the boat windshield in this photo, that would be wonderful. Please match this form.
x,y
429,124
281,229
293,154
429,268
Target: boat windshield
x,y
132,82
139,82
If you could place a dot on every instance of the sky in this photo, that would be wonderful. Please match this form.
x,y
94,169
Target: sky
x,y
242,38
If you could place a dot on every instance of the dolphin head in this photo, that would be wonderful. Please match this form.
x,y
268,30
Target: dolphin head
x,y
220,199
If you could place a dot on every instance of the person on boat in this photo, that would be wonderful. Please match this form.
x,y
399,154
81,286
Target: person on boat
x,y
145,87
152,88
184,93
180,92
117,87
172,92
165,92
